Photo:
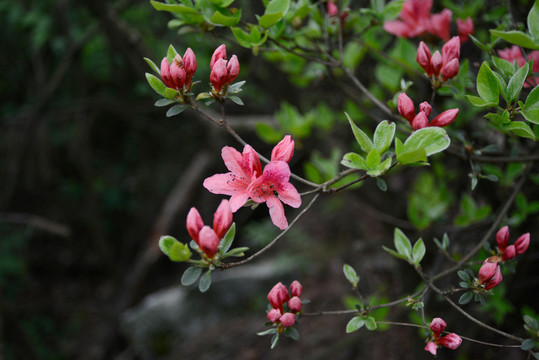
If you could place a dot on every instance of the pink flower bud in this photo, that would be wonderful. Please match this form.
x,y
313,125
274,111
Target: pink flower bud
x,y
219,53
332,9
208,241
294,304
522,243
450,70
278,295
426,108
233,69
222,219
437,326
284,150
218,75
194,224
451,50
465,28
436,62
274,315
509,252
288,319
296,288
502,238
189,64
420,121
177,74
423,57
431,347
451,341
445,118
406,107
495,280
165,73
487,270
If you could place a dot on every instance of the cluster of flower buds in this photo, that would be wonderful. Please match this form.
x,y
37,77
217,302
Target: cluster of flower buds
x,y
465,28
490,274
445,65
207,238
223,72
421,120
451,341
178,75
278,297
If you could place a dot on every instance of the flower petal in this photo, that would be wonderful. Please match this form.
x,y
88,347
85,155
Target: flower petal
x,y
276,212
431,347
289,195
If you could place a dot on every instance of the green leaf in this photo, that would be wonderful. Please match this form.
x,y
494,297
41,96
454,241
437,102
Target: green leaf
x,y
505,66
402,243
274,341
292,333
487,84
531,322
171,53
362,139
236,100
351,275
268,20
431,140
381,183
175,250
267,332
393,9
383,136
528,344
174,8
163,102
354,324
175,110
394,253
381,168
205,282
191,275
466,298
520,128
516,37
156,84
242,37
153,65
477,101
219,18
170,93
532,101
236,252
226,242
418,252
370,323
531,115
373,159
533,21
355,161
516,82
464,276
275,6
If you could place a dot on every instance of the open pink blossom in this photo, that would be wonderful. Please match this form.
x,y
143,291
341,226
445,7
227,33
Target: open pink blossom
x,y
244,168
451,341
465,28
515,54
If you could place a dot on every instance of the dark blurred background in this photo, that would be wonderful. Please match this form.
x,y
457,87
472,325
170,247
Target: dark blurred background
x,y
92,174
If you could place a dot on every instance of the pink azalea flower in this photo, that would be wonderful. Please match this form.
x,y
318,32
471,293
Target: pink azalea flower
x,y
223,71
451,341
515,54
246,180
296,288
445,64
465,28
278,295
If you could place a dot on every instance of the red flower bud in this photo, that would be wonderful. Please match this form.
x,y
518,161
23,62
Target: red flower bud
x,y
420,121
487,270
509,252
284,150
495,280
522,243
294,304
296,288
274,315
437,326
426,108
208,241
451,50
218,75
177,73
502,238
278,295
165,73
406,107
194,224
436,62
233,69
445,118
423,57
219,53
222,219
288,319
451,341
189,64
450,70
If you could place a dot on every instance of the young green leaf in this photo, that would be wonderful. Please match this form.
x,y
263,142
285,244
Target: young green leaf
x,y
156,84
175,110
533,21
153,65
354,324
383,136
479,102
370,323
191,275
532,101
402,243
373,159
521,129
355,161
205,282
394,253
418,252
487,84
351,275
466,298
517,38
516,82
362,139
226,242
